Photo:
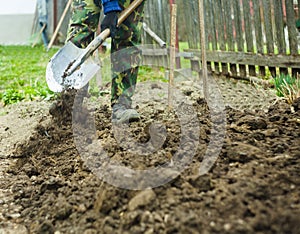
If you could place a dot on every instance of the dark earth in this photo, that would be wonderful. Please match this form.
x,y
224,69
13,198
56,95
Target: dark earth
x,y
253,187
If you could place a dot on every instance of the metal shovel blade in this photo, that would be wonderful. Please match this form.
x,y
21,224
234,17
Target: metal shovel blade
x,y
72,67
56,77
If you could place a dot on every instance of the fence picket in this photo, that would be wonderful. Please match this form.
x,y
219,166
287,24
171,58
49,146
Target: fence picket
x,y
279,22
230,33
213,35
239,33
268,31
220,39
248,33
292,31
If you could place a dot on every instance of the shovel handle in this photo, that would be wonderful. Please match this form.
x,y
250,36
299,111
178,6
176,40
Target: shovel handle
x,y
101,38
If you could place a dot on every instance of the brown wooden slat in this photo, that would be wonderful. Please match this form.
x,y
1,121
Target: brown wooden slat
x,y
218,13
248,32
292,30
257,9
191,23
239,33
292,61
229,32
214,42
193,29
280,40
188,24
269,31
208,28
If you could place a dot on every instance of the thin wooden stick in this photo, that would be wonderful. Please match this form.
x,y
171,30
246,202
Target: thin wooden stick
x,y
172,53
59,25
38,36
203,48
154,36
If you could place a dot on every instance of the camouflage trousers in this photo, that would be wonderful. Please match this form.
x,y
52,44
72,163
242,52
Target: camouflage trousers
x,y
125,56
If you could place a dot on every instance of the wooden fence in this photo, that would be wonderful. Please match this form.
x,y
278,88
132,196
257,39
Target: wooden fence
x,y
244,37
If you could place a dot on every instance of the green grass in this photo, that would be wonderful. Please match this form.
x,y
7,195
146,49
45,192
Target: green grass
x,y
22,73
151,74
287,87
185,63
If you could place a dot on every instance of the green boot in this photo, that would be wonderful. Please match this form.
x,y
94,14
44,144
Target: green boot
x,y
121,114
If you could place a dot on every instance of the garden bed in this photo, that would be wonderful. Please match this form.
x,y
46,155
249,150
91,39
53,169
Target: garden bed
x,y
47,186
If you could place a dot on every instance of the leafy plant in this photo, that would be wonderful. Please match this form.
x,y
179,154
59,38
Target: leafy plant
x,y
287,86
10,96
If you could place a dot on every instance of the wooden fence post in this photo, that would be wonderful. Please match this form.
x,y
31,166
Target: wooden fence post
x,y
172,53
203,48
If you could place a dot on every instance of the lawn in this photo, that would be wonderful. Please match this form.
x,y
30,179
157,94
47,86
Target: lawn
x,y
23,73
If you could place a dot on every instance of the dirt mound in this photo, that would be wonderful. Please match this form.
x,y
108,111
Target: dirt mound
x,y
18,116
251,188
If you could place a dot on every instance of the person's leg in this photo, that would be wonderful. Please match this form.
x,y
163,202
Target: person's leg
x,y
83,22
127,57
82,27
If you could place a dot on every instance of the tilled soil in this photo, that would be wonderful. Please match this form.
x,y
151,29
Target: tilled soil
x,y
252,187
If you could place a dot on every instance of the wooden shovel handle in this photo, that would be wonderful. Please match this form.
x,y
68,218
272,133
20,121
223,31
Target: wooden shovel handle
x,y
105,34
101,38
129,10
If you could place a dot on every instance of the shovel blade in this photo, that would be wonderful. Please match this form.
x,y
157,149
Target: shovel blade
x,y
58,65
